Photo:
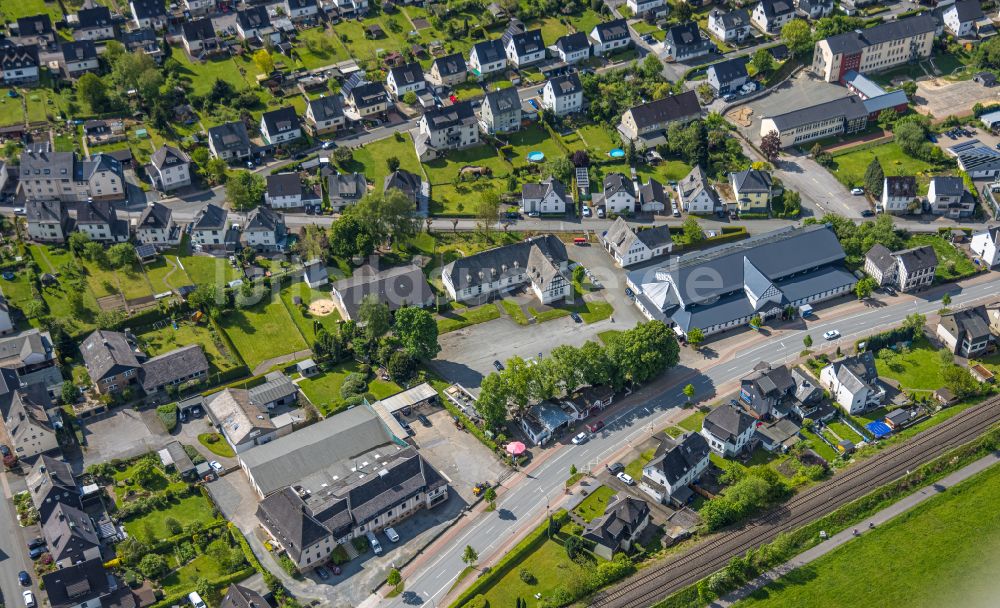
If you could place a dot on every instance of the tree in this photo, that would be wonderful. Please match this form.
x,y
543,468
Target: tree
x,y
470,556
122,255
490,496
394,579
203,587
887,118
689,392
92,91
215,171
791,203
392,163
417,331
401,365
374,315
78,241
492,402
573,544
910,88
153,566
410,98
350,237
770,145
264,61
946,300
797,35
692,231
173,526
387,214
34,309
807,341
960,381
695,337
914,323
640,353
245,190
145,474
560,168
756,321
651,65
864,288
762,61
70,393
874,178
343,155
488,209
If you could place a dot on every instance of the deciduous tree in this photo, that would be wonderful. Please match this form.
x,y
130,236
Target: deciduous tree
x,y
417,332
874,178
245,190
770,146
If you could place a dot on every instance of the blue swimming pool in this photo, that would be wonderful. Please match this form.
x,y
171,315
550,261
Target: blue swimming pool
x,y
536,157
617,153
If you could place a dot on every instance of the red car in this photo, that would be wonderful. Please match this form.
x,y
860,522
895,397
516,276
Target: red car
x,y
593,427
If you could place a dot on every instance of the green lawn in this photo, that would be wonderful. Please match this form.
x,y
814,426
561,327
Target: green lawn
x,y
12,10
162,482
262,332
594,504
532,139
371,158
607,335
152,526
324,390
300,314
219,447
11,109
460,199
634,468
444,170
666,171
918,369
952,263
819,446
844,431
597,137
461,316
165,274
693,422
940,553
186,578
318,47
165,339
240,72
205,269
850,168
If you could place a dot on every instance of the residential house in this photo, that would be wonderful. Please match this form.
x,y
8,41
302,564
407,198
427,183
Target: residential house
x,y
99,221
243,423
966,332
230,141
25,409
280,126
646,124
984,244
778,436
676,465
149,14
619,527
198,8
199,37
78,58
208,230
947,196
575,47
563,95
367,100
345,189
762,275
610,36
853,383
19,64
446,128
157,227
325,115
301,10
729,26
619,194
875,49
395,287
143,41
183,365
728,430
410,184
86,585
284,191
314,274
30,355
840,116
728,76
501,111
239,596
93,23
448,71
253,23
543,421
49,175
169,169
36,29
898,194
264,230
540,263
111,359
628,246
648,8
653,197
961,17
591,400
695,194
408,78
547,196
906,270
487,57
684,42
764,389
6,324
48,220
753,190
769,16
523,47
814,9
71,536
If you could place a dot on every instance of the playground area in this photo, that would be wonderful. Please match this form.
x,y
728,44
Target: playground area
x,y
321,308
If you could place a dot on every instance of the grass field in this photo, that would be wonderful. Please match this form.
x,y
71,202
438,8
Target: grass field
x,y
594,504
918,369
216,444
940,553
324,390
161,483
444,170
167,338
461,316
203,269
12,10
237,71
11,109
819,446
186,577
952,263
165,275
597,137
371,158
262,332
302,319
152,526
850,168
318,47
532,139
460,199
668,170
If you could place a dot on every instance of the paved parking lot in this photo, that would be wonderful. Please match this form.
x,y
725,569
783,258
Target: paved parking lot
x,y
800,92
942,98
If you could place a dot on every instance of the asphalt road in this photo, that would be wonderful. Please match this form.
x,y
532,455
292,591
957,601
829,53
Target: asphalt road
x,y
528,501
13,551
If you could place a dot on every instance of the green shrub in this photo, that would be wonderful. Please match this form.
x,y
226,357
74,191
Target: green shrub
x,y
168,416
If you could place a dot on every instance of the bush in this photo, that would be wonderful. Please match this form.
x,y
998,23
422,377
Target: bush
x,y
289,566
478,602
153,566
354,384
527,577
173,526
168,416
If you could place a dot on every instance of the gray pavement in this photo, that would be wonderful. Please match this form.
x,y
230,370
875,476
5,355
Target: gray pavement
x,y
13,550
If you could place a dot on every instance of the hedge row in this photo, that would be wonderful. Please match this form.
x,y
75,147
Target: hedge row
x,y
180,598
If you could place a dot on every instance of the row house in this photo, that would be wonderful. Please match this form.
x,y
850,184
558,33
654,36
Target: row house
x,y
93,23
446,128
48,220
78,58
45,174
156,227
906,270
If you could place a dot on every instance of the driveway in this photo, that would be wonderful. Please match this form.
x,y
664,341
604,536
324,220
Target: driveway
x,y
941,98
456,454
122,434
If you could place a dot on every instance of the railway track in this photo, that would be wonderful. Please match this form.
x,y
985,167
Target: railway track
x,y
657,582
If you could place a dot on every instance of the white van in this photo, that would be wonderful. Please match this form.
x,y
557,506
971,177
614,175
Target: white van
x,y
196,600
376,546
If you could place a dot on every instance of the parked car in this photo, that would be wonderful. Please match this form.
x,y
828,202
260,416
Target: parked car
x,y
18,210
36,552
593,427
392,535
534,214
23,578
576,317
196,600
615,468
423,420
833,334
587,213
322,573
328,144
675,210
216,466
625,478
581,439
857,191
38,541
867,213
629,292
4,450
29,598
600,213
376,546
498,366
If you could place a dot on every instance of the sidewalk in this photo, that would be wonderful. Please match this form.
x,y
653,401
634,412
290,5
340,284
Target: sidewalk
x,y
862,527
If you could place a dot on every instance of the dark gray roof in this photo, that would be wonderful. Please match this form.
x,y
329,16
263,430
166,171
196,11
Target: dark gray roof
x,y
396,287
900,186
169,156
652,191
668,109
253,18
564,86
178,364
411,73
81,50
278,386
972,324
684,34
211,217
616,182
675,457
776,8
285,516
404,181
609,31
528,42
948,185
507,260
327,108
155,216
239,596
881,257
69,532
851,108
198,29
297,4
284,184
539,190
622,516
281,120
35,25
50,482
732,19
729,70
44,211
231,136
347,186
96,212
449,65
14,57
108,353
968,10
503,101
855,41
368,94
752,180
727,422
574,42
145,9
264,219
95,16
74,585
917,258
14,349
489,51
654,237
770,380
447,117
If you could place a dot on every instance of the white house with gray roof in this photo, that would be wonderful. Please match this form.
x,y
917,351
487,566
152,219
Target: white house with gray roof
x,y
769,16
501,111
563,95
99,220
48,220
156,226
230,141
45,174
729,26
280,126
523,47
728,430
408,78
629,246
695,194
986,245
346,189
448,71
447,128
169,169
574,47
676,465
487,57
619,194
325,115
853,383
946,195
727,76
539,263
264,230
905,270
610,36
208,230
547,196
